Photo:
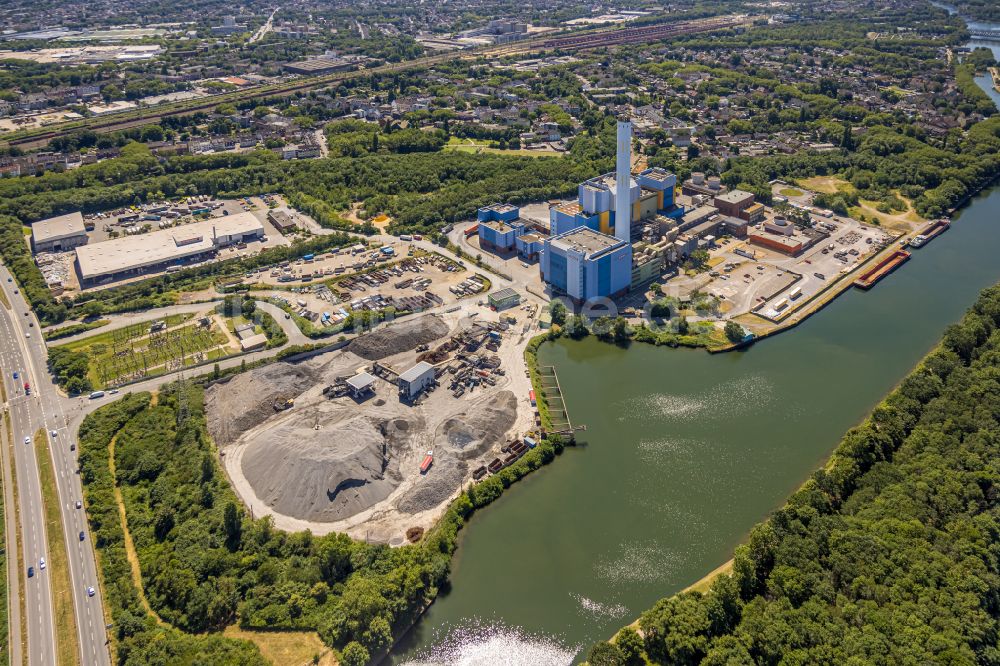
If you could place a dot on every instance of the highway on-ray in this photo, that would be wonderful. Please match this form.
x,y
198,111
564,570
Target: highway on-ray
x,y
23,351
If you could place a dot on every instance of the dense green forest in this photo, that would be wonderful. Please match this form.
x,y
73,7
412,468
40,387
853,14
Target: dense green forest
x,y
983,10
936,178
887,555
206,564
421,190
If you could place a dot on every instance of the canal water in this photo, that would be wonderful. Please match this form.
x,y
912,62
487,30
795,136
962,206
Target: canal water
x,y
684,452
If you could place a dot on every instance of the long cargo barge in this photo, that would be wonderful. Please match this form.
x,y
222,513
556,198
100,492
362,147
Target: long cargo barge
x,y
868,279
930,232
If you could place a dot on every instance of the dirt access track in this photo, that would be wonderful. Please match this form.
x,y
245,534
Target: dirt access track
x,y
353,465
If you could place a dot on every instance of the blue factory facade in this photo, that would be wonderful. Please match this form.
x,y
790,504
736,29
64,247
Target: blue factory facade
x,y
584,264
650,193
499,226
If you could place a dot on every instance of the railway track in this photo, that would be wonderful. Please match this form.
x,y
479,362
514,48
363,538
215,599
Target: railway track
x,y
37,138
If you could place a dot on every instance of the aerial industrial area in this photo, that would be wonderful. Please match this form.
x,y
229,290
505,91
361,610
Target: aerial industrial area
x,y
289,293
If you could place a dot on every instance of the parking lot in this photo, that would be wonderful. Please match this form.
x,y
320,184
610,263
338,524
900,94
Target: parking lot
x,y
411,284
775,285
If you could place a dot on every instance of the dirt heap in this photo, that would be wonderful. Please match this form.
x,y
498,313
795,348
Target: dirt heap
x,y
397,337
466,435
247,400
440,483
476,430
324,475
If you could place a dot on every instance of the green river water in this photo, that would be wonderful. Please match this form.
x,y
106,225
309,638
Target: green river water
x,y
684,452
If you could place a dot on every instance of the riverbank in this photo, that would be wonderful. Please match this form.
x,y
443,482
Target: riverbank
x,y
908,438
682,455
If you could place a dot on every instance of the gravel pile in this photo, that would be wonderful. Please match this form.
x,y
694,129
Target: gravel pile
x,y
397,337
478,429
247,400
437,486
329,474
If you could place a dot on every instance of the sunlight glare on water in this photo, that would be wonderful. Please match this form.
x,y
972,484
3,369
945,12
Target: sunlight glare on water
x,y
491,643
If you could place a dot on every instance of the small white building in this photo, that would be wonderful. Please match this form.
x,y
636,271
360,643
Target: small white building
x,y
258,341
416,379
361,384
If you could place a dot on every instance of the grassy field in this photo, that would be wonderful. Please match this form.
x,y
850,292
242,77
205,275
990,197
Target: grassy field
x,y
18,540
74,329
898,221
476,147
57,564
903,221
127,353
287,648
791,192
825,184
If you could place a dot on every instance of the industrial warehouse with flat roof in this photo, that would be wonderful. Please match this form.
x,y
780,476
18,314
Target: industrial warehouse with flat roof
x,y
58,234
128,255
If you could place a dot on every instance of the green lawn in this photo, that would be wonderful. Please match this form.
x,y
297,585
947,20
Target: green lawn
x,y
58,571
472,146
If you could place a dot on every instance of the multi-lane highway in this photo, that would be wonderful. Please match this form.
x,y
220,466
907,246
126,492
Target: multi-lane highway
x,y
22,350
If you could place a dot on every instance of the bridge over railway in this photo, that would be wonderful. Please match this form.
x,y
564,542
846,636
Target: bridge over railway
x,y
982,33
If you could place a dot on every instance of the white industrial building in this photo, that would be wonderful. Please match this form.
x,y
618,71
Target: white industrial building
x,y
416,379
361,384
129,255
58,234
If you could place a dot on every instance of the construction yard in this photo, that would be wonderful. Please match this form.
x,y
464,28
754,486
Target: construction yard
x,y
342,442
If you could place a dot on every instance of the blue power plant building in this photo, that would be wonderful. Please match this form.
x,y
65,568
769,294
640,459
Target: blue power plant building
x,y
603,200
589,252
584,264
499,226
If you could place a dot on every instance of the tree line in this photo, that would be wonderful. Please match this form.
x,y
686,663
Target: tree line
x,y
887,555
206,564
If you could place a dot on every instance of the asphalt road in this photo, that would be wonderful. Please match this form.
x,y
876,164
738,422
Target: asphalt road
x,y
23,351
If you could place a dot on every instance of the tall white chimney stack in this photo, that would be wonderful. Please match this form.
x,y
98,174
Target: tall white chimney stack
x,y
623,179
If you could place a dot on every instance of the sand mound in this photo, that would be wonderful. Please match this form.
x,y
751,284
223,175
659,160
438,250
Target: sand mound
x,y
246,400
328,474
397,337
475,431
